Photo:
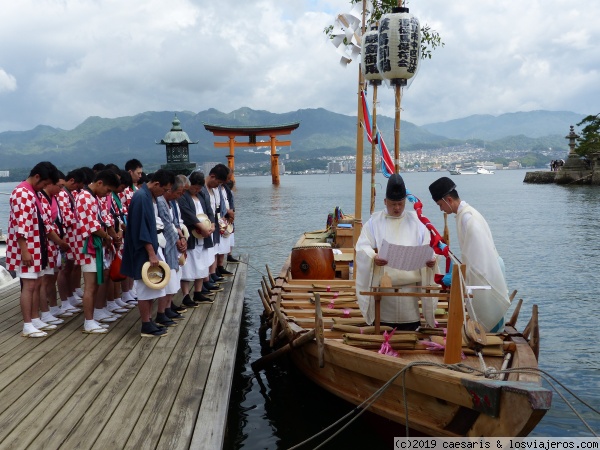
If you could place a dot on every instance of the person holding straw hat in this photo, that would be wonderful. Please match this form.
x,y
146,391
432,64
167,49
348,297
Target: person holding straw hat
x,y
141,245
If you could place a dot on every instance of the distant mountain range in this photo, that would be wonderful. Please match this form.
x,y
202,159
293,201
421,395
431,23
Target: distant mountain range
x,y
533,124
321,132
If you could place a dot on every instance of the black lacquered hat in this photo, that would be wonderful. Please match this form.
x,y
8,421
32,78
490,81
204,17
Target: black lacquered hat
x,y
441,187
396,190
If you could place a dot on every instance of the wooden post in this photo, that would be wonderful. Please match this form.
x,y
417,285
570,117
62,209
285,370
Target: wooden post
x,y
452,353
231,157
397,91
274,162
231,165
359,148
374,83
386,282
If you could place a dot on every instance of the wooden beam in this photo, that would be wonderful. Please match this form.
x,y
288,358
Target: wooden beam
x,y
252,144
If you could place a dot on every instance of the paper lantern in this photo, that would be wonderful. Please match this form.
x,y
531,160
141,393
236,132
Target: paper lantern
x,y
368,55
399,46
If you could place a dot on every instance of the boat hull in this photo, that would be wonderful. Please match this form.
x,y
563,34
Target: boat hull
x,y
439,402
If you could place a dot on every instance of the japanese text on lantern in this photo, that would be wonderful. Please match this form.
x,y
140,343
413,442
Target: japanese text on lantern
x,y
371,54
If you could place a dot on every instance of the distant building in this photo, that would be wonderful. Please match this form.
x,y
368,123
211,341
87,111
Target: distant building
x,y
334,167
514,165
281,168
4,173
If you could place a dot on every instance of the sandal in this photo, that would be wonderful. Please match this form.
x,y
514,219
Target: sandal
x,y
34,334
95,331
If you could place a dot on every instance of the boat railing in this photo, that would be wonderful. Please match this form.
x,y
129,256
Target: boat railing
x,y
453,348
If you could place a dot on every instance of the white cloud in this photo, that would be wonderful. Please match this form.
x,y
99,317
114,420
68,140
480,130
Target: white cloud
x,y
78,58
8,83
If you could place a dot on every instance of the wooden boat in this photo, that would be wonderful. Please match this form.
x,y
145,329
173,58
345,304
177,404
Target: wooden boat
x,y
318,322
314,316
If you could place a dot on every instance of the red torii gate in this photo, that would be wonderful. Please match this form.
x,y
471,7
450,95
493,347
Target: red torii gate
x,y
252,131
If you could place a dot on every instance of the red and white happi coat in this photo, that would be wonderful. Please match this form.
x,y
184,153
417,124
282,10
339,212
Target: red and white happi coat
x,y
23,222
50,223
67,206
89,213
125,197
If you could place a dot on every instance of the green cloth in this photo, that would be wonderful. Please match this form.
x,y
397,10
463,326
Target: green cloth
x,y
97,244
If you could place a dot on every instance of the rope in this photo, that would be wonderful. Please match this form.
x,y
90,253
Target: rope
x,y
460,367
251,266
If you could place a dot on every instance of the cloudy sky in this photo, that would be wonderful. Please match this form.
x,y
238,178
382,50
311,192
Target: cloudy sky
x,y
62,61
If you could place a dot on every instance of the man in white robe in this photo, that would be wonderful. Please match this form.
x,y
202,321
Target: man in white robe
x,y
400,227
484,266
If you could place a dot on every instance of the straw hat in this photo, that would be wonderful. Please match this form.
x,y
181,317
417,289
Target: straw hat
x,y
156,277
185,231
182,259
204,224
227,230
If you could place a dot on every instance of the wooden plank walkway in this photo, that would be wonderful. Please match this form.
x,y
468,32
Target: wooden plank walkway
x,y
119,390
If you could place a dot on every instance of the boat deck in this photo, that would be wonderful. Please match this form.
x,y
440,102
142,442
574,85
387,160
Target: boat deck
x,y
119,390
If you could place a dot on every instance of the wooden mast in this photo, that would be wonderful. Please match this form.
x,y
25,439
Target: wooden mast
x,y
359,147
398,95
374,142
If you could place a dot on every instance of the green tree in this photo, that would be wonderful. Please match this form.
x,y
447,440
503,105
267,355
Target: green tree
x,y
430,39
589,140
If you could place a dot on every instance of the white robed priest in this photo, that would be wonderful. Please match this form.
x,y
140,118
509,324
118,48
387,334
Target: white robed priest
x,y
484,266
396,226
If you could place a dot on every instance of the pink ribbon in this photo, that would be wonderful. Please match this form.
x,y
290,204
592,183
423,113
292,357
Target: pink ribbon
x,y
386,347
435,347
331,304
336,294
346,313
328,288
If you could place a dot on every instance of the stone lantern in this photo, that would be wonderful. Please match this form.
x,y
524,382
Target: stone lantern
x,y
177,144
576,169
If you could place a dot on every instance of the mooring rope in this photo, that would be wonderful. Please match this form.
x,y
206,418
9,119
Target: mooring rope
x,y
460,367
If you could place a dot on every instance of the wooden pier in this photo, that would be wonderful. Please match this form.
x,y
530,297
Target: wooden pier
x,y
119,390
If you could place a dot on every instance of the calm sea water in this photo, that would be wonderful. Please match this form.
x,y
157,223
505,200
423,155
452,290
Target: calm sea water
x,y
548,236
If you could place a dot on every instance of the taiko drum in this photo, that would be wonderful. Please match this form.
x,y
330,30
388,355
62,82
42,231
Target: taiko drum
x,y
313,262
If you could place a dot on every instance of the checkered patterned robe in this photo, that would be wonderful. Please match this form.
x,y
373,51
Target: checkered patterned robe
x,y
53,250
23,222
68,212
87,210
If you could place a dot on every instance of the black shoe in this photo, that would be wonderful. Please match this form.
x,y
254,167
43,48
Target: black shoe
x,y
172,314
232,260
206,292
224,272
188,302
198,297
178,309
149,329
161,326
162,319
216,279
212,287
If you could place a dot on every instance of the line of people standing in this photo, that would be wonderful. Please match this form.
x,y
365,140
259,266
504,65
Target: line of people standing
x,y
65,227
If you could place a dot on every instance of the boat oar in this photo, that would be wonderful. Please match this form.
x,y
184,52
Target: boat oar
x,y
261,363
